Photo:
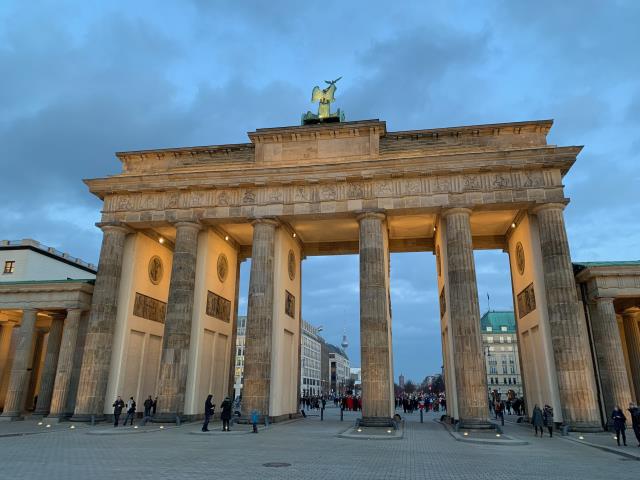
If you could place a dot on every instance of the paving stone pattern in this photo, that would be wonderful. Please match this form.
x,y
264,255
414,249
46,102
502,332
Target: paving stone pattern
x,y
310,446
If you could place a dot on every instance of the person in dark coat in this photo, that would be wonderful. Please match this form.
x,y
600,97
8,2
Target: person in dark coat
x,y
208,412
537,421
619,424
634,412
226,407
131,411
118,405
547,419
148,403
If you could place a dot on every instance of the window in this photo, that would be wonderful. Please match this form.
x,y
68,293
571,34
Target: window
x,y
9,266
489,329
489,339
503,329
501,339
504,381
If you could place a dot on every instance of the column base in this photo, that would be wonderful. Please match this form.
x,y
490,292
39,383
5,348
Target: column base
x,y
11,417
88,418
170,418
40,413
586,427
476,424
376,422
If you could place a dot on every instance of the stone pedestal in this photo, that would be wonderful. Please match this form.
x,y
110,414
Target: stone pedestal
x,y
375,321
177,329
258,339
632,336
50,365
611,364
96,360
19,379
65,364
464,314
569,337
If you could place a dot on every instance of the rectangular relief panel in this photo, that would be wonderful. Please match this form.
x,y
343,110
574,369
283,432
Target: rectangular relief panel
x,y
526,301
149,308
218,307
289,304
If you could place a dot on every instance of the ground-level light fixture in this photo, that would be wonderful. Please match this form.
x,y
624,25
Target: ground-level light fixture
x,y
72,427
497,435
161,427
39,423
581,437
388,431
48,425
466,434
359,429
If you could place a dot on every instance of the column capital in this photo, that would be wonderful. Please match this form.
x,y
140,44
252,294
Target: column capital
x,y
377,213
113,227
265,220
455,210
188,224
547,206
603,299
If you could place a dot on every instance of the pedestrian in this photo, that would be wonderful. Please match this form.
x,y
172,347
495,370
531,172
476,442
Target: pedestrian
x,y
131,411
537,421
619,421
148,403
208,412
634,412
499,409
226,408
118,405
154,406
547,419
254,420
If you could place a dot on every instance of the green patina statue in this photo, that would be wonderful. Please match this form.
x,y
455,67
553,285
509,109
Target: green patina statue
x,y
324,96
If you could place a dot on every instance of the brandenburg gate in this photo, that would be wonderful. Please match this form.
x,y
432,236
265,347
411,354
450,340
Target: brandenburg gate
x,y
178,222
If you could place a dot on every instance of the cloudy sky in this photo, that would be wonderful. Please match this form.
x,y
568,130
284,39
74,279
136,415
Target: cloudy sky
x,y
81,80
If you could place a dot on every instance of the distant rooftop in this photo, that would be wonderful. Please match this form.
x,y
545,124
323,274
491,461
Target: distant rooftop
x,y
28,243
333,349
496,320
579,266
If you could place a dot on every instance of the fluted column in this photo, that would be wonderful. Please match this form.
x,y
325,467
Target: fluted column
x,y
375,321
19,379
50,365
569,335
258,338
177,329
6,357
632,336
464,314
611,364
96,360
65,364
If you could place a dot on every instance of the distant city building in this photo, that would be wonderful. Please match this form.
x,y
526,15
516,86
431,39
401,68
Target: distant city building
x,y
500,345
239,366
339,370
401,381
310,361
356,378
325,376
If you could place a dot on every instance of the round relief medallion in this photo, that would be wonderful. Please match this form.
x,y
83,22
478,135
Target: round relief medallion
x,y
155,270
438,266
520,258
222,267
291,264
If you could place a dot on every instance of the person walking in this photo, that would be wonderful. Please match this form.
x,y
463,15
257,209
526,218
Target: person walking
x,y
118,405
547,419
148,403
131,411
537,421
499,408
619,424
634,412
208,412
226,407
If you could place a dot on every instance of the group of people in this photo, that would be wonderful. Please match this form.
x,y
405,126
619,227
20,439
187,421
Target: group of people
x,y
149,404
619,420
421,401
226,408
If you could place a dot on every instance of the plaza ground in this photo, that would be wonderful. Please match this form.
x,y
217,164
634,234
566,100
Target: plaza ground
x,y
311,447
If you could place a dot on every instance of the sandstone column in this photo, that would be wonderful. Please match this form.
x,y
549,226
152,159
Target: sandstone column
x,y
611,364
569,336
177,329
96,360
19,379
632,335
50,365
258,338
7,349
464,314
65,364
375,321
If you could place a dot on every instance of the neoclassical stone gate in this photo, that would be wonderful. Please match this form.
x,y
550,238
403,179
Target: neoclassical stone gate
x,y
178,222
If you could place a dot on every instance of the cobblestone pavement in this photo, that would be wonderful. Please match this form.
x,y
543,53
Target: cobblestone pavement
x,y
310,446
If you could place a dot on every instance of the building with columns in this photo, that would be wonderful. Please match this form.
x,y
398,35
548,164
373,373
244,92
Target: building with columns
x,y
500,346
311,356
177,223
45,296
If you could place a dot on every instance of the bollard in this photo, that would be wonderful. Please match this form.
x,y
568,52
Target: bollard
x,y
177,420
341,414
421,418
322,414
